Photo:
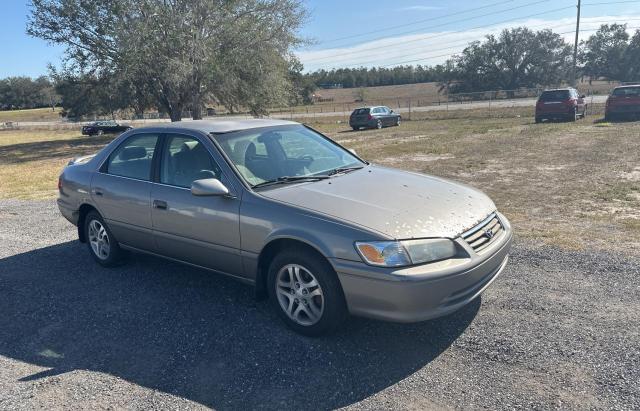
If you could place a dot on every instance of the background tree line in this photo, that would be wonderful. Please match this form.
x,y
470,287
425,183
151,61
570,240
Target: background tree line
x,y
182,55
25,93
516,58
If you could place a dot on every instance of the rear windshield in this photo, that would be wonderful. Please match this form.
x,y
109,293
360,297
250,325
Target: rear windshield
x,y
555,95
361,111
627,91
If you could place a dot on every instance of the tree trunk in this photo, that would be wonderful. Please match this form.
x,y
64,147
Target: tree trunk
x,y
196,109
175,114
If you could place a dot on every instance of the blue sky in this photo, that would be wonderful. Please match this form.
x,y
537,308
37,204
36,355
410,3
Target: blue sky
x,y
405,30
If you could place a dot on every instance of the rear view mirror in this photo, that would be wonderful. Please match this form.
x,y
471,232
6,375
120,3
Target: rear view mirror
x,y
209,187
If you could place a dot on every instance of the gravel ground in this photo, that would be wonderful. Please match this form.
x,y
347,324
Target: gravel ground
x,y
558,329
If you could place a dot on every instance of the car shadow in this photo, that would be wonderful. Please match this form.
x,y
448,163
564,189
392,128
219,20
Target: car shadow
x,y
197,335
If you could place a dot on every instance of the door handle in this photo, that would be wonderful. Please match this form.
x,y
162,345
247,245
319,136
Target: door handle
x,y
97,192
159,204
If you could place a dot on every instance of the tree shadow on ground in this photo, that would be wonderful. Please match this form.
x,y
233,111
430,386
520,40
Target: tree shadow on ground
x,y
197,335
53,149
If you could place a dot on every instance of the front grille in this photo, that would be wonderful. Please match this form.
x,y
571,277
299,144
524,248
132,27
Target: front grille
x,y
484,234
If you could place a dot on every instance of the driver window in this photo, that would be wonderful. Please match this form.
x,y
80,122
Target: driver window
x,y
185,160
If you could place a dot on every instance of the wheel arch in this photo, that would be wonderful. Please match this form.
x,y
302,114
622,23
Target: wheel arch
x,y
82,214
270,250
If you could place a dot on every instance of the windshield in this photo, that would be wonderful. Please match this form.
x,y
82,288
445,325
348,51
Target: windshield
x,y
555,95
272,153
627,91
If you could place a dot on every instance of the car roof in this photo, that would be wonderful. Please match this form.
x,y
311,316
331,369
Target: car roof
x,y
221,126
628,86
560,89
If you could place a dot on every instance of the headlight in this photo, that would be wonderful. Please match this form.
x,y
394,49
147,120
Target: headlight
x,y
403,253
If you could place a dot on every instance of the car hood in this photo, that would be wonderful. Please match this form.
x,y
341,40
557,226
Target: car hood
x,y
396,203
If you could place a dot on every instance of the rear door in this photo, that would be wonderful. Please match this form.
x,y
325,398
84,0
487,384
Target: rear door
x,y
200,230
122,190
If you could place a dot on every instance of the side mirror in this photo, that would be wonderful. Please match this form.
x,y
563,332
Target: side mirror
x,y
583,96
391,111
209,187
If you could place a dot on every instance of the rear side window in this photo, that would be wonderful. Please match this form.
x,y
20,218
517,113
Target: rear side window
x,y
361,111
186,160
627,91
555,95
133,157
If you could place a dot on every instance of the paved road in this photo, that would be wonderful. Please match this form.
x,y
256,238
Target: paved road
x,y
557,330
494,105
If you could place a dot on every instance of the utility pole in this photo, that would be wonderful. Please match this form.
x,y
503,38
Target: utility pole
x,y
575,49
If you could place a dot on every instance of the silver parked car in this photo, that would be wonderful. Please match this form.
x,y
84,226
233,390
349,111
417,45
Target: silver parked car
x,y
279,206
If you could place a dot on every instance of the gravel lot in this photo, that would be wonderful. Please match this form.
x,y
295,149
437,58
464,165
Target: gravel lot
x,y
558,330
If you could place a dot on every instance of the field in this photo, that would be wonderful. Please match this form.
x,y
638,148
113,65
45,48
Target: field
x,y
575,185
36,114
557,330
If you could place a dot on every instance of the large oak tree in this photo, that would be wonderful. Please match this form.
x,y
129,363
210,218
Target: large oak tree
x,y
184,52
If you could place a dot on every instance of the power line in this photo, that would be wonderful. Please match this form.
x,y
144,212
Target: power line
x,y
451,22
455,44
445,55
417,22
438,35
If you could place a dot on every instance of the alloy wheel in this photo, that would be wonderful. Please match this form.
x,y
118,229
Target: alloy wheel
x,y
299,294
99,240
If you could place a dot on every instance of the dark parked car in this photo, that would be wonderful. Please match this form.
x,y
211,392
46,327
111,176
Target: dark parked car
x,y
624,101
104,127
560,104
373,117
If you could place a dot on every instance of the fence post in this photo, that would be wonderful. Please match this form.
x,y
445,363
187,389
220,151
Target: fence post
x,y
490,93
409,109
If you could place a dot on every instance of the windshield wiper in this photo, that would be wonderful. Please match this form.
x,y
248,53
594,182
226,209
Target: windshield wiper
x,y
290,179
343,170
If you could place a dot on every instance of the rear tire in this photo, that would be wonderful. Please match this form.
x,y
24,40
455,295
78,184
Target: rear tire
x,y
379,124
102,244
100,132
355,128
305,291
538,120
574,117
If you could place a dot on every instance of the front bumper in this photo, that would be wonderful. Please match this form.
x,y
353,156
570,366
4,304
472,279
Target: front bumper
x,y
422,292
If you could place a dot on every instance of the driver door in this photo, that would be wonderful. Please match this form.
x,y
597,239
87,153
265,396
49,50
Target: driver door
x,y
198,230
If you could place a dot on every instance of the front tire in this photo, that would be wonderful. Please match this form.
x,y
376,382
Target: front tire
x,y
102,244
398,121
305,292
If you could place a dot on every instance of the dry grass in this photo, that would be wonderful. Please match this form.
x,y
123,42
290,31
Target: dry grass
x,y
575,185
36,114
31,160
